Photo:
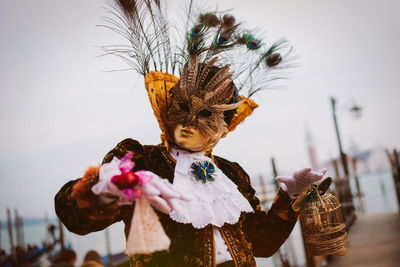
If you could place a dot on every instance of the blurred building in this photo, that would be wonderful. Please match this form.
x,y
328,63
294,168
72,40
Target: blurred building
x,y
368,161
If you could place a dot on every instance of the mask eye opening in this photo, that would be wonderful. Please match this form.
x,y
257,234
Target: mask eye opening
x,y
184,107
205,113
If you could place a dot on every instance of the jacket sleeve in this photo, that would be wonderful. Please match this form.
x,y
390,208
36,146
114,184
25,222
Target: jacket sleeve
x,y
266,231
84,213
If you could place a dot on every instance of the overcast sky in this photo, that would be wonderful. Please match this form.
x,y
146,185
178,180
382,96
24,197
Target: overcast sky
x,y
61,111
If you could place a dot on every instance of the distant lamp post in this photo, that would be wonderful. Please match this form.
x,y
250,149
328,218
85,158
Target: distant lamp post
x,y
355,110
343,158
346,195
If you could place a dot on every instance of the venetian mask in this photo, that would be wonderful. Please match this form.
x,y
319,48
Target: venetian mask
x,y
196,116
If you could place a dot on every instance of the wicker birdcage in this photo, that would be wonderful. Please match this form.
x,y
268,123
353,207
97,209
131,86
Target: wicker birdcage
x,y
323,226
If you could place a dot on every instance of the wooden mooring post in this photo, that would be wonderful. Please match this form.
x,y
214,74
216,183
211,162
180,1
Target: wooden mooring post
x,y
284,259
61,235
395,166
11,236
343,191
108,246
359,194
1,225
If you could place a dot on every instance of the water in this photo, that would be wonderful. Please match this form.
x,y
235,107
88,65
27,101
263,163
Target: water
x,y
36,233
379,192
379,197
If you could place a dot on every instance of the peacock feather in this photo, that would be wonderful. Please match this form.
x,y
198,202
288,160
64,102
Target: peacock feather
x,y
156,42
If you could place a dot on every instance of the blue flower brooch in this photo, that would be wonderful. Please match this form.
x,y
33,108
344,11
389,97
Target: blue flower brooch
x,y
203,171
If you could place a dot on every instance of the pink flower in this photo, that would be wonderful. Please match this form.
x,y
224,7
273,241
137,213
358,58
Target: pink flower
x,y
127,164
125,180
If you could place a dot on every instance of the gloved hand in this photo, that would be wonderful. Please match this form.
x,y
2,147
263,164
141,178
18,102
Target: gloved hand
x,y
300,180
160,193
117,179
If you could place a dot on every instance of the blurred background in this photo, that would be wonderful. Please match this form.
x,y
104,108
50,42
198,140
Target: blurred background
x,y
63,108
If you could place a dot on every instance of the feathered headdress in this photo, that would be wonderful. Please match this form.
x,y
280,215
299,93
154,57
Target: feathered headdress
x,y
158,51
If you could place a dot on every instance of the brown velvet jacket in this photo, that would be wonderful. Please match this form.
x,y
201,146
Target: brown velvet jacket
x,y
258,234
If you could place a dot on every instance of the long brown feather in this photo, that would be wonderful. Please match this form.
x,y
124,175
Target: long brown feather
x,y
224,107
192,74
218,77
205,71
221,81
221,95
181,91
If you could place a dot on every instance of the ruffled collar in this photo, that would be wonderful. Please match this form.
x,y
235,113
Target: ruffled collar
x,y
214,202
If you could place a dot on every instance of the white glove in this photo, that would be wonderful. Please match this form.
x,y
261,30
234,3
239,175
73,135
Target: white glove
x,y
159,192
300,180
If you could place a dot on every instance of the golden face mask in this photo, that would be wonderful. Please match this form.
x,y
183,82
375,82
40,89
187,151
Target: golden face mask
x,y
190,138
197,105
178,107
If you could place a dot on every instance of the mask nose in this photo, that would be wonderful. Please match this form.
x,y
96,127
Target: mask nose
x,y
190,120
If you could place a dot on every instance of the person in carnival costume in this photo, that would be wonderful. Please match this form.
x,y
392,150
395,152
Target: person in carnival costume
x,y
182,205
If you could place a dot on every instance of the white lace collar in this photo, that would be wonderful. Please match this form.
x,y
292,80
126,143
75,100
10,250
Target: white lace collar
x,y
214,202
